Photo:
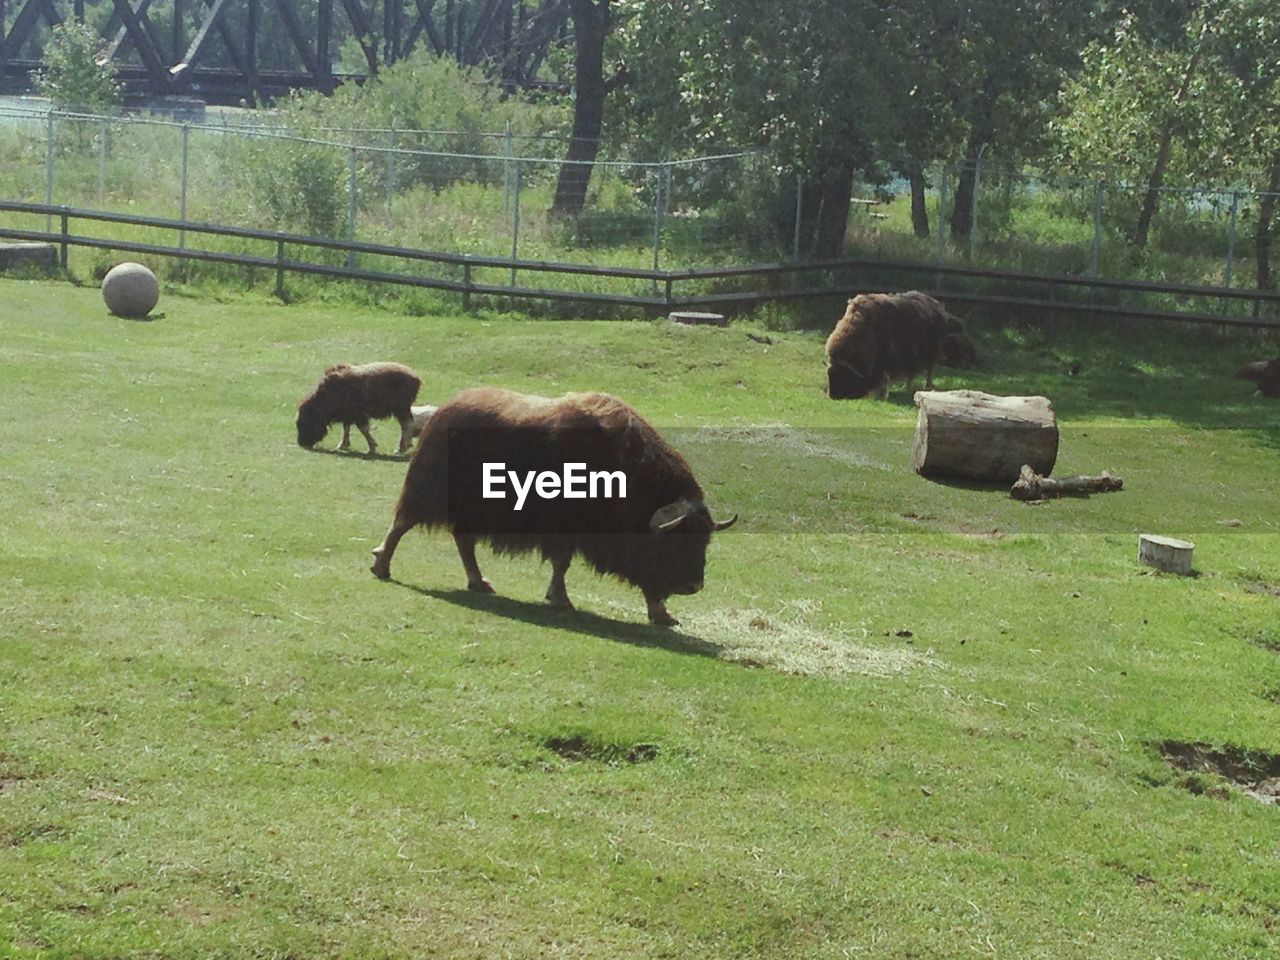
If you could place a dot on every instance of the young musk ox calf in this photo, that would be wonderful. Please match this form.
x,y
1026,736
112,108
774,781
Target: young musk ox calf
x,y
354,395
1266,373
884,337
655,537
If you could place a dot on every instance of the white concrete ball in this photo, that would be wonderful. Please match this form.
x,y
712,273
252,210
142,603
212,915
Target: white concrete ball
x,y
130,290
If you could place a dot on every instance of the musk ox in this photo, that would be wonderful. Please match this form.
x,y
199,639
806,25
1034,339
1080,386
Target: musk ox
x,y
884,337
654,536
350,395
1266,373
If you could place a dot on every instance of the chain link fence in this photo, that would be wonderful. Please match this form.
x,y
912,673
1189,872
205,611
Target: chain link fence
x,y
491,194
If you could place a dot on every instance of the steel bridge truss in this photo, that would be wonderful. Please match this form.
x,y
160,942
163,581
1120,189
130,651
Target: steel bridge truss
x,y
177,57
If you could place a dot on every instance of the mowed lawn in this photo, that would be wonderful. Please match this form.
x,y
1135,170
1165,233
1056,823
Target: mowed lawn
x,y
903,719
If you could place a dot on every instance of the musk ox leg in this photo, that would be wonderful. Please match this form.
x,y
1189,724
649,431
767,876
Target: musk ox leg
x,y
384,551
557,595
346,437
467,551
658,614
364,428
882,388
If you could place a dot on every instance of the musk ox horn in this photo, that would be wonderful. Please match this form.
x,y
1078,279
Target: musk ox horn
x,y
724,524
669,517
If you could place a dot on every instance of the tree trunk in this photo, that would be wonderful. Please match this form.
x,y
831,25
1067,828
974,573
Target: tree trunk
x,y
1262,236
919,212
590,26
1152,199
833,211
962,209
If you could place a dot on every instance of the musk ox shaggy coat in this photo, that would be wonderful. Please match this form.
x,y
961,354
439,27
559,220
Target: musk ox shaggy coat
x,y
884,337
1266,373
354,395
655,538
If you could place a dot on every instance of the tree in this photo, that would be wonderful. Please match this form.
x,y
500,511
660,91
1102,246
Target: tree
x,y
77,74
1011,61
1205,92
591,22
811,81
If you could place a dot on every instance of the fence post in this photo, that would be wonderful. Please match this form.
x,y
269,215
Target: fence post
x,y
1231,237
977,184
182,200
391,168
62,253
658,180
466,282
102,163
942,216
280,268
351,205
515,225
795,235
506,169
48,171
1096,250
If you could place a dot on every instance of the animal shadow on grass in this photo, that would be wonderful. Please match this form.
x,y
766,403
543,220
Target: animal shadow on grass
x,y
360,454
577,621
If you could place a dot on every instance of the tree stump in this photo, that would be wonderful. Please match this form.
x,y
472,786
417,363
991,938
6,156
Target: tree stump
x,y
978,436
1165,553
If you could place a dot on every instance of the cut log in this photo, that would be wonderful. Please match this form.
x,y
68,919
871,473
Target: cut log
x,y
979,436
1165,553
1031,486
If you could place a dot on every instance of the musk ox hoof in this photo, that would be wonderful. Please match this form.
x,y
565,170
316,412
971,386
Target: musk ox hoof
x,y
562,601
480,586
663,619
381,567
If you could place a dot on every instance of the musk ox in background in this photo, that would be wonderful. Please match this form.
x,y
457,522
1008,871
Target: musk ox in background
x,y
655,538
884,337
1266,373
355,395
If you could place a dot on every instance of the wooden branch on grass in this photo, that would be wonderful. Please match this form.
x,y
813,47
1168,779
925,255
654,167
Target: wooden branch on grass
x,y
1031,486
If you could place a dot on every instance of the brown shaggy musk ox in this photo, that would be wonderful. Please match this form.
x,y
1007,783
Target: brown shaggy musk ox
x,y
884,337
1266,373
355,395
654,538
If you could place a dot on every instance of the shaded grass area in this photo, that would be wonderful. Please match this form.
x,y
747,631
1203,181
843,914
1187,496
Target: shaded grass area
x,y
220,736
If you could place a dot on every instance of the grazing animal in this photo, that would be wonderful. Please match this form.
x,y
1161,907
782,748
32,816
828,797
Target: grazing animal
x,y
355,395
884,337
1266,372
655,537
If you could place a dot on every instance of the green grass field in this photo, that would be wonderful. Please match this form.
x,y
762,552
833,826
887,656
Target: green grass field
x,y
903,719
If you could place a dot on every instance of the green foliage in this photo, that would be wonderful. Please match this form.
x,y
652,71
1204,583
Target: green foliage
x,y
299,187
77,75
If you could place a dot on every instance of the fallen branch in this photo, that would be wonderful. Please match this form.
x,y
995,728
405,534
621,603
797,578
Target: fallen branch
x,y
1032,486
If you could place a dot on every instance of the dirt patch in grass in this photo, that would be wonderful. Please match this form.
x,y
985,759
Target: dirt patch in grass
x,y
576,747
1254,772
13,771
781,438
1258,585
1267,640
788,640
